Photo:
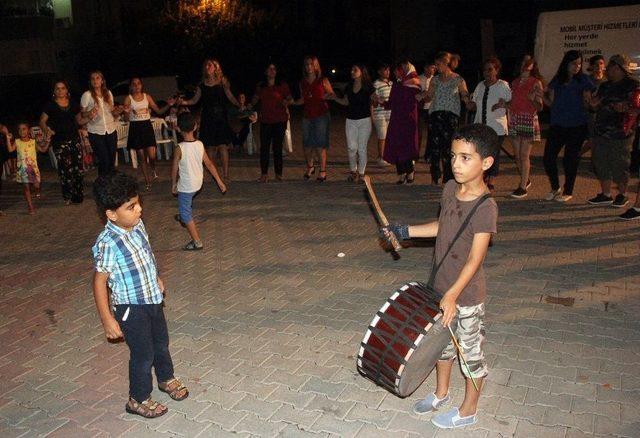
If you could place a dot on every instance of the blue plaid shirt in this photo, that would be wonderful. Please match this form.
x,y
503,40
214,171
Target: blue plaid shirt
x,y
127,257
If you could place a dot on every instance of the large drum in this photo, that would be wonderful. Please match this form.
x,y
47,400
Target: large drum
x,y
404,340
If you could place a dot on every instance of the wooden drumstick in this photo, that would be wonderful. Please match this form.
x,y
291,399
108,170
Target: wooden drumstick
x,y
382,219
466,365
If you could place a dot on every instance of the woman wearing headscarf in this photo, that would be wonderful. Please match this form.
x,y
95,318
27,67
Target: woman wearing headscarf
x,y
401,146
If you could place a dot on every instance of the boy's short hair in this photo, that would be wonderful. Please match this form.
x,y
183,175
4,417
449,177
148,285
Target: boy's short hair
x,y
112,190
186,122
484,138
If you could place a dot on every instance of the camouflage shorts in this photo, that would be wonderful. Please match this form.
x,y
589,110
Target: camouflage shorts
x,y
470,335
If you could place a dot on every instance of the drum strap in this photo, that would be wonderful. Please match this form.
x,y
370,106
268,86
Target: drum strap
x,y
435,267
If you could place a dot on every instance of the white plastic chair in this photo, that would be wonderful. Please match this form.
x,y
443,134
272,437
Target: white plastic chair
x,y
123,133
160,130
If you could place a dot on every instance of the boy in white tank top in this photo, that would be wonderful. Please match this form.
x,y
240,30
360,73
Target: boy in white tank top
x,y
187,164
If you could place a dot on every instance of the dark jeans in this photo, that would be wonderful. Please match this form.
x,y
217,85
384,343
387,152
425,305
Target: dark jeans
x,y
104,149
238,138
404,167
495,168
442,125
145,332
271,136
571,139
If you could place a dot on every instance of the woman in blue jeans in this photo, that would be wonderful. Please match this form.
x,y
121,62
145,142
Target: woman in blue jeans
x,y
567,95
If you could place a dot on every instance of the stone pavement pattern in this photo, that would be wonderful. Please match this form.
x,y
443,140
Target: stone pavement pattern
x,y
265,323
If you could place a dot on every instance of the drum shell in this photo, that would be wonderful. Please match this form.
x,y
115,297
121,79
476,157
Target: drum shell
x,y
404,340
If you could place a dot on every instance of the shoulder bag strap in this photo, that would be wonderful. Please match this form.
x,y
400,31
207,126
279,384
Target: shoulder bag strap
x,y
435,267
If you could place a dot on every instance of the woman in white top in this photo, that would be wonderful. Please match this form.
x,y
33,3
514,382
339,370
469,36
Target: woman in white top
x,y
141,137
380,115
97,105
485,101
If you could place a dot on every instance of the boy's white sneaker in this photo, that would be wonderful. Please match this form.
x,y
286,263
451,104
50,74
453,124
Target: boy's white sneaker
x,y
452,419
430,403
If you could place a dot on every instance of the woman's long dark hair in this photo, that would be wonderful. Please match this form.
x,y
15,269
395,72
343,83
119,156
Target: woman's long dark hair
x,y
562,76
265,79
365,78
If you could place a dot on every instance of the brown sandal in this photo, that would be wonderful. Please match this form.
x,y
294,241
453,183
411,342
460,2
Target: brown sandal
x,y
146,409
174,388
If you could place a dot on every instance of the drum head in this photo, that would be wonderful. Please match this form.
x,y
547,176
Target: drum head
x,y
424,358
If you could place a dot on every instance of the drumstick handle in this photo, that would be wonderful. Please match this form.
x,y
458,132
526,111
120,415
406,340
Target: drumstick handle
x,y
455,342
380,214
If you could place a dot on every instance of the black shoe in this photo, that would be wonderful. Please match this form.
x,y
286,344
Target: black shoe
x,y
620,201
601,199
193,246
519,193
630,214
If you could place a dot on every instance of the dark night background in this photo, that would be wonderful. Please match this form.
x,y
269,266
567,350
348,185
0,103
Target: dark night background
x,y
146,38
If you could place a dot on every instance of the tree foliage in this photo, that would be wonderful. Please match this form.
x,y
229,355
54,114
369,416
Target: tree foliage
x,y
201,23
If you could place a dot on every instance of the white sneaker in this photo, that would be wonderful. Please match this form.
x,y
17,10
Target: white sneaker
x,y
563,198
382,163
553,194
430,403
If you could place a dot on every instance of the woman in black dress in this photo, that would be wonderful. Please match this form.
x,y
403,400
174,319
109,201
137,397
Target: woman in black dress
x,y
58,123
215,92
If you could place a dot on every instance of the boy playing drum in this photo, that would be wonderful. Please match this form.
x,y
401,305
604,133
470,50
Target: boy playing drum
x,y
461,277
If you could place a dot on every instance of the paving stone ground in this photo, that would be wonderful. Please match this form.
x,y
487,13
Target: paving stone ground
x,y
265,323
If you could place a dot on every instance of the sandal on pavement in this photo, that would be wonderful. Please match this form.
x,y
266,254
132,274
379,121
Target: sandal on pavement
x,y
193,246
175,389
146,409
321,178
310,171
410,177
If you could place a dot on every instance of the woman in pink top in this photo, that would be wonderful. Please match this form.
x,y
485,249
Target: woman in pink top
x,y
524,128
314,89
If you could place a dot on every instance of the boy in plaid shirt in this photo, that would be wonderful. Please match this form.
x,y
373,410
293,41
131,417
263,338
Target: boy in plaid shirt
x,y
125,264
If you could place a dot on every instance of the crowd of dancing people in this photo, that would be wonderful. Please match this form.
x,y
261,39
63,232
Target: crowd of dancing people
x,y
595,111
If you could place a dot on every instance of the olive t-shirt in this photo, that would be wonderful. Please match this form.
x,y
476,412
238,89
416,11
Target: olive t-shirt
x,y
453,212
